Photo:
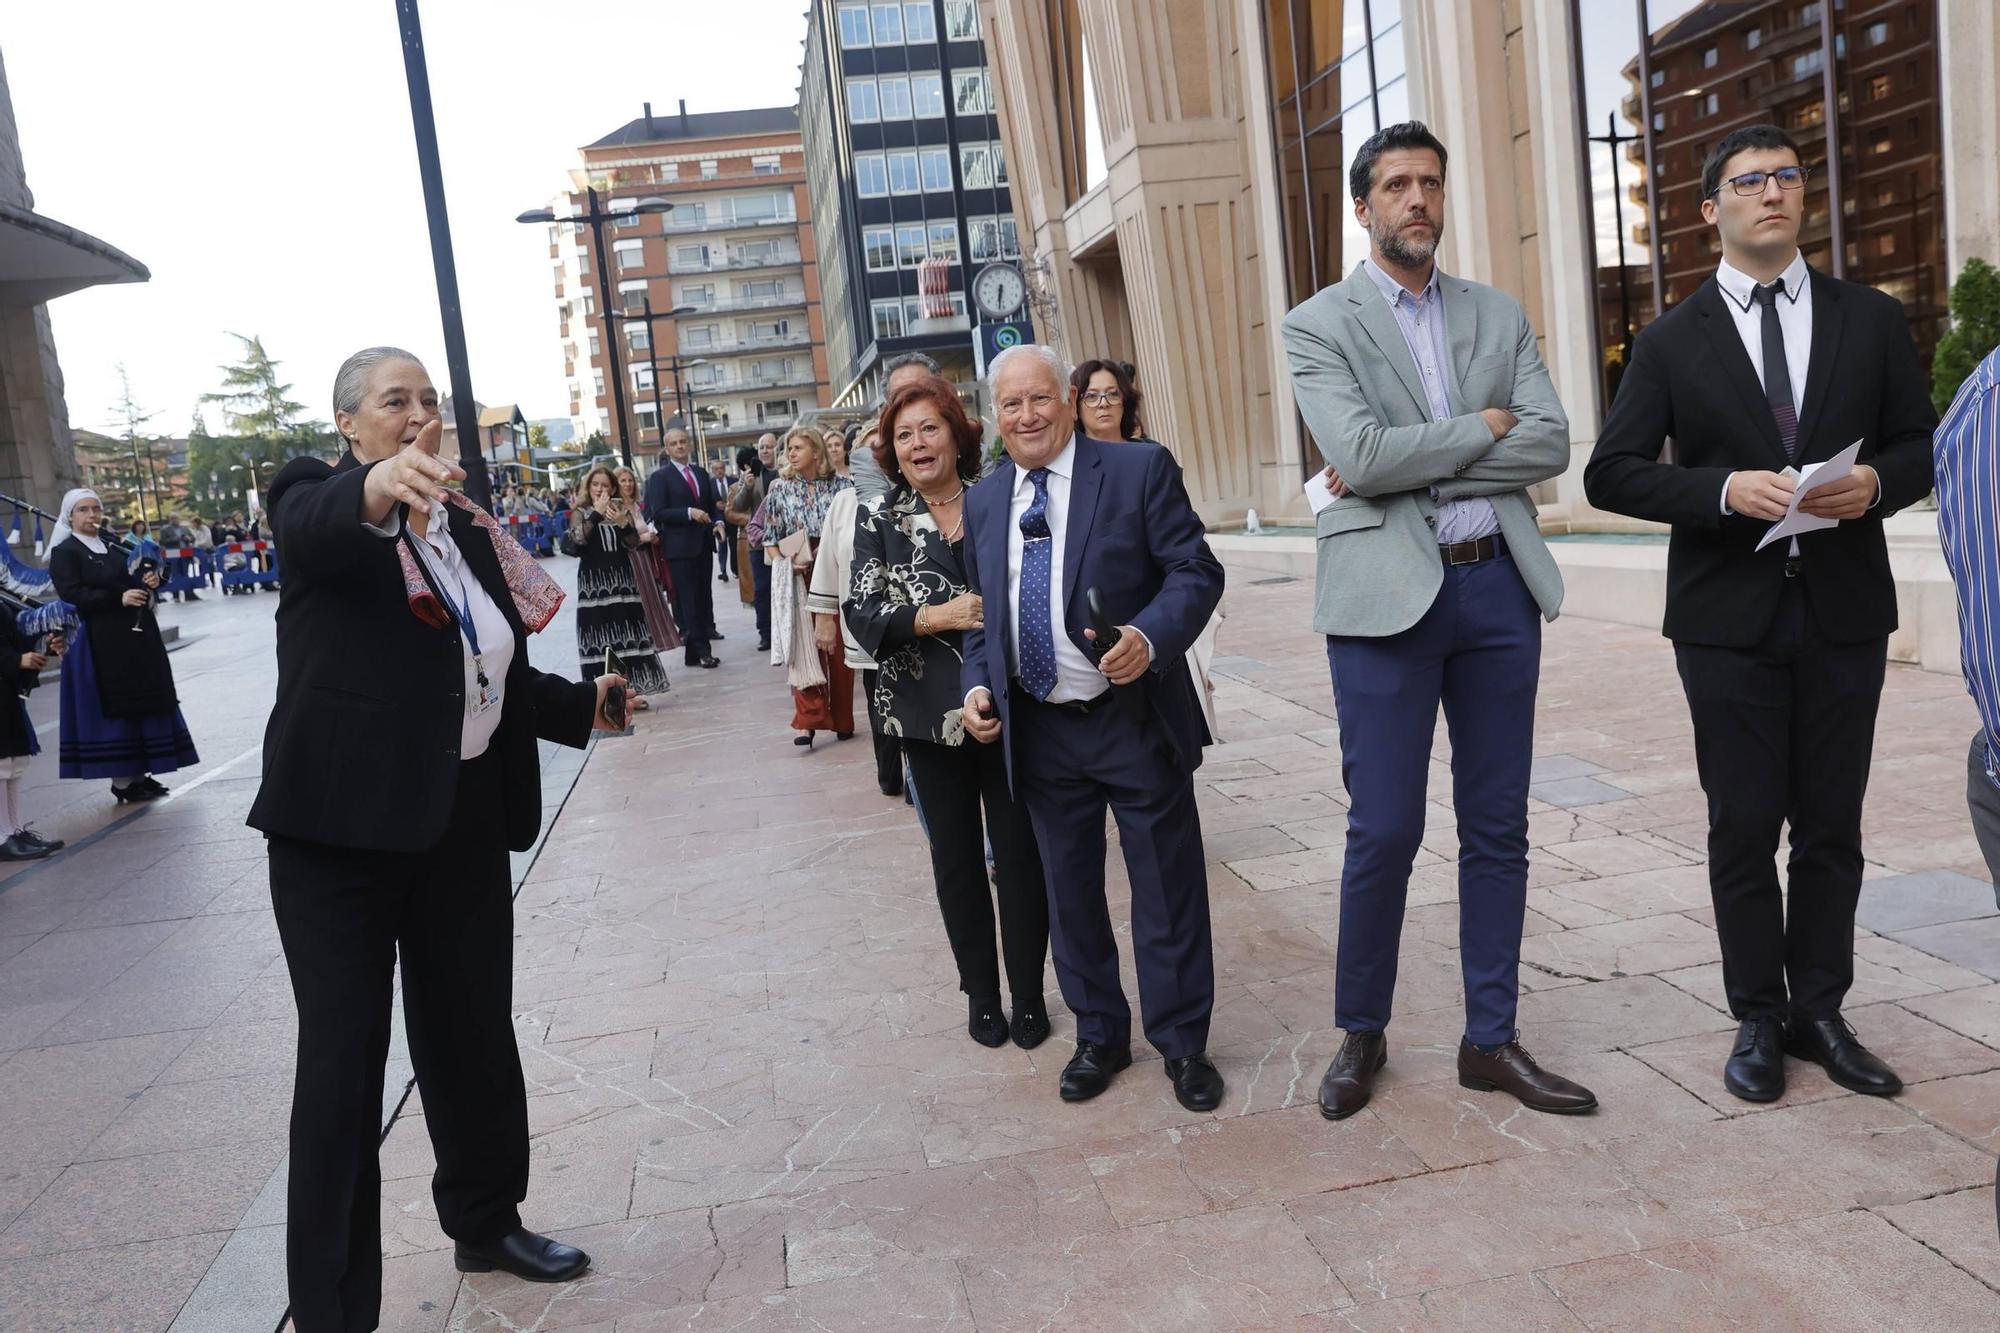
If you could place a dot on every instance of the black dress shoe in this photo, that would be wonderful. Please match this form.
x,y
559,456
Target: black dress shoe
x,y
1030,1027
1511,1070
1350,1079
18,848
1756,1067
716,636
709,662
1831,1042
986,1021
527,1256
1089,1071
1197,1083
763,645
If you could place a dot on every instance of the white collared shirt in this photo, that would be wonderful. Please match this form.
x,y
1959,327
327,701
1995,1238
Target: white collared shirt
x,y
1739,292
1077,678
449,571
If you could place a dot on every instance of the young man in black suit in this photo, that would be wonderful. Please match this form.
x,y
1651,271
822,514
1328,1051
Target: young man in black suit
x,y
1769,367
683,503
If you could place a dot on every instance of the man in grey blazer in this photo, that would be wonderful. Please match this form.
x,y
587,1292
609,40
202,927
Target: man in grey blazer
x,y
1435,414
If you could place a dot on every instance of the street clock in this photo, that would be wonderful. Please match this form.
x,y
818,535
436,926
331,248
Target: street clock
x,y
998,291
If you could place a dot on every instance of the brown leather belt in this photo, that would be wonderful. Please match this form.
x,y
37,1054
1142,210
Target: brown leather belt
x,y
1472,552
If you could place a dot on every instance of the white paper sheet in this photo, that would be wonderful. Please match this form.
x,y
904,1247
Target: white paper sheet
x,y
1811,478
1318,494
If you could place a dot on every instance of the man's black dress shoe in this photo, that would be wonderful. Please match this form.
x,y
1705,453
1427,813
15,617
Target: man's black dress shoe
x,y
1031,1024
1756,1068
1831,1042
1510,1069
985,1021
716,636
1089,1071
705,662
1350,1079
527,1256
1197,1083
763,645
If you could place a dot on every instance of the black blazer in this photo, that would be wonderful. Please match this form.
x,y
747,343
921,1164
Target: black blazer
x,y
15,738
901,564
667,503
362,747
1691,380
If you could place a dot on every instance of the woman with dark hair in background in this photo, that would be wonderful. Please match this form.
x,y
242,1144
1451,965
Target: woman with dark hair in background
x,y
1106,401
909,607
609,613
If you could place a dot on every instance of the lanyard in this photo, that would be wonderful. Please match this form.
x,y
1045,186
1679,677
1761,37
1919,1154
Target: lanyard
x,y
460,613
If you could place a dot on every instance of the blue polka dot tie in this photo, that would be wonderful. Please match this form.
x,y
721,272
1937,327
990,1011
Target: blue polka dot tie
x,y
1038,645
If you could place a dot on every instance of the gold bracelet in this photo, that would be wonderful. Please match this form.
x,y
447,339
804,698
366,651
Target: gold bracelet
x,y
923,625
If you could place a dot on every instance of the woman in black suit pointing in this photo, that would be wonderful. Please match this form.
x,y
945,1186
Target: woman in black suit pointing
x,y
400,767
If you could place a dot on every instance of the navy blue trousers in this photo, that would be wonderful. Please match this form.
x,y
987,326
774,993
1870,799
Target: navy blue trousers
x,y
1478,652
1067,768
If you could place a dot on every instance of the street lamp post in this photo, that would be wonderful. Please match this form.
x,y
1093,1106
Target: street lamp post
x,y
256,486
597,217
646,316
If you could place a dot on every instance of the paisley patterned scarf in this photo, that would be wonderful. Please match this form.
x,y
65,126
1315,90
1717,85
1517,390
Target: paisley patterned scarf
x,y
537,596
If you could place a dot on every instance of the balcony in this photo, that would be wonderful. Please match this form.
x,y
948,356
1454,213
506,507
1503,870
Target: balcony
x,y
739,346
736,262
777,379
677,226
727,304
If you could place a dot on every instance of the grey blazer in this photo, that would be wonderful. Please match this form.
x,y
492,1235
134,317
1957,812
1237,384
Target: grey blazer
x,y
1357,386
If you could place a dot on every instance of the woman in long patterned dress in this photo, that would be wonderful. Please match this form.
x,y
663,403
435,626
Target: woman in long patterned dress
x,y
647,567
822,683
609,612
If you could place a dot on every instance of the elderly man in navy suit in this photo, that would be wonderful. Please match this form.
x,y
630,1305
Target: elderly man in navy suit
x,y
1088,723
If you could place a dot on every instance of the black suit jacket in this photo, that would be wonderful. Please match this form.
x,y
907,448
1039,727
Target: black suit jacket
x,y
667,503
362,747
1691,380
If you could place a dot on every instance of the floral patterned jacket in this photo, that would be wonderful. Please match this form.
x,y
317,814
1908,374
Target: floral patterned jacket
x,y
902,562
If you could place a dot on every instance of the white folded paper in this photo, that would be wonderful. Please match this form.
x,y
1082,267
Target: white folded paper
x,y
1318,493
1811,478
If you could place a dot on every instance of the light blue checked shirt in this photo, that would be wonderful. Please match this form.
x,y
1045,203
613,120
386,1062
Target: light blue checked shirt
x,y
1966,452
1421,318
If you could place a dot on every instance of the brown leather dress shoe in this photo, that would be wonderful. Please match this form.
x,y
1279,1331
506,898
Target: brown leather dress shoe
x,y
1350,1079
1513,1071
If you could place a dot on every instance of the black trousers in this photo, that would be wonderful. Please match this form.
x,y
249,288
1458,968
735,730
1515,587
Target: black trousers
x,y
760,583
345,918
956,780
888,749
725,554
1783,734
694,602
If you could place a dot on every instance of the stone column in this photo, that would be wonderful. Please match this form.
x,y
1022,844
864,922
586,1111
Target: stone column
x,y
1971,115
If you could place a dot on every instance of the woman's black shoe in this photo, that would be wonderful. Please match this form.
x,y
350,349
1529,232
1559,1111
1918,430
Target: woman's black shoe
x,y
986,1021
843,735
805,739
152,785
138,791
1030,1027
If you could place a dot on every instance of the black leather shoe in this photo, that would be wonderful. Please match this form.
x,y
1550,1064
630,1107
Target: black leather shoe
x,y
1756,1068
18,848
1513,1071
1350,1079
1197,1083
1089,1071
763,645
1830,1042
985,1021
527,1256
709,662
1031,1024
716,636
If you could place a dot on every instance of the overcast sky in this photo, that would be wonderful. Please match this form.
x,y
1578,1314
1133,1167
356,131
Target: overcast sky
x,y
258,158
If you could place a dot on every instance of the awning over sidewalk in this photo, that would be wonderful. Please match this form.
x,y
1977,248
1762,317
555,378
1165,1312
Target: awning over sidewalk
x,y
41,259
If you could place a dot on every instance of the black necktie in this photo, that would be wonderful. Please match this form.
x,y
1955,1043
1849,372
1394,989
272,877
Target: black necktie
x,y
1777,380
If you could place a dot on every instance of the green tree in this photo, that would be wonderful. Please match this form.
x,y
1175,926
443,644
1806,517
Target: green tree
x,y
1975,330
253,401
538,436
266,428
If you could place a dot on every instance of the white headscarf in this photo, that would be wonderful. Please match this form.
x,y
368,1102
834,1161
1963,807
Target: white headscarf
x,y
69,502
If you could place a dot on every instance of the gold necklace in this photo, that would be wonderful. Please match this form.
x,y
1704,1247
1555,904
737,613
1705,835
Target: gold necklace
x,y
957,527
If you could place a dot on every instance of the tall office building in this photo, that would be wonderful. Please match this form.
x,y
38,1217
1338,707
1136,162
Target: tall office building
x,y
908,178
734,347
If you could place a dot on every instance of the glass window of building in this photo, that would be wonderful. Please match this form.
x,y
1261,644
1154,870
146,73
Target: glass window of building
x,y
936,163
919,23
961,21
596,346
903,178
1873,153
944,240
968,91
701,335
975,166
983,239
863,108
888,25
638,337
895,99
1010,240
927,95
709,168
871,175
629,254
999,164
853,26
888,317
642,378
910,245
879,245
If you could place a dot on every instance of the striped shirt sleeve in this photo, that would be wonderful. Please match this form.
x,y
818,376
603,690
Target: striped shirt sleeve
x,y
1966,451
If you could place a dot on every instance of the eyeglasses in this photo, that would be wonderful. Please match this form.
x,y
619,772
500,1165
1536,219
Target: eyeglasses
x,y
1102,398
1752,182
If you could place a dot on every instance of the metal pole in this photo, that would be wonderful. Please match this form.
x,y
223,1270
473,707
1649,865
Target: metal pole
x,y
604,299
1829,86
464,419
1653,237
653,356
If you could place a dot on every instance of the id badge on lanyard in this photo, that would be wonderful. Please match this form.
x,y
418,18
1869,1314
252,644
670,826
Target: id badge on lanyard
x,y
480,696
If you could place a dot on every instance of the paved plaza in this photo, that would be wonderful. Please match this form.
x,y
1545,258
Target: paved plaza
x,y
754,1103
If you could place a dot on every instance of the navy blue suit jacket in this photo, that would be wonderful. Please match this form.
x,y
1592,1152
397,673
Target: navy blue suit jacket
x,y
1134,536
666,506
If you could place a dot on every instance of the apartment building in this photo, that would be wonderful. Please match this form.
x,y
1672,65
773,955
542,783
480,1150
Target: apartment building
x,y
734,345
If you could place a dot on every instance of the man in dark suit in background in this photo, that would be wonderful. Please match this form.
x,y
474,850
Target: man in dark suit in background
x,y
683,503
1085,727
1769,367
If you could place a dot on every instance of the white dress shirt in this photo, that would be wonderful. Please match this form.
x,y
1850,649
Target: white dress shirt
x,y
1077,678
1739,293
461,586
